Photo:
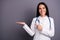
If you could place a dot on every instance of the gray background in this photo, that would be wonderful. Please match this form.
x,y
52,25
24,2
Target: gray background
x,y
12,11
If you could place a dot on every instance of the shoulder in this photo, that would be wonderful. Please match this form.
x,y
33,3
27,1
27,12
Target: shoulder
x,y
34,18
52,19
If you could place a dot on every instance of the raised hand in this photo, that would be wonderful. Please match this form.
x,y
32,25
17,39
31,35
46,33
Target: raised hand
x,y
22,23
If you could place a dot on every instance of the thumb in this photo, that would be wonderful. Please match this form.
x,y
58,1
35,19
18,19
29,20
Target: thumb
x,y
36,24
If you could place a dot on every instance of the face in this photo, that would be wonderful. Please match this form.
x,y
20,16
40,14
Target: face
x,y
42,10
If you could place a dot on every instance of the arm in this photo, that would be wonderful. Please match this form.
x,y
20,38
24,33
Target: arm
x,y
28,30
50,32
31,31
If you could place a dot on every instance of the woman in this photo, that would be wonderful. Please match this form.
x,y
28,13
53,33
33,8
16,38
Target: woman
x,y
42,26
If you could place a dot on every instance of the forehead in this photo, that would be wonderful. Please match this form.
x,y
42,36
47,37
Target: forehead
x,y
41,5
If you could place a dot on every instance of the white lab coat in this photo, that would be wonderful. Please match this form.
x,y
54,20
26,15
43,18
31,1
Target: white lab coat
x,y
46,32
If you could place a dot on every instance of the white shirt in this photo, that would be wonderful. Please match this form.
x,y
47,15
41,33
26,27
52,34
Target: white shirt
x,y
46,32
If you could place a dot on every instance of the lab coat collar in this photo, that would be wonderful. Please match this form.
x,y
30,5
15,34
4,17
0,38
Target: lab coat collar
x,y
42,17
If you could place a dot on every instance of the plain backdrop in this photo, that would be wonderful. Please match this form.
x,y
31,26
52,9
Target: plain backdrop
x,y
12,11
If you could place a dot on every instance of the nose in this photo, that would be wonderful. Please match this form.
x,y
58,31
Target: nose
x,y
41,10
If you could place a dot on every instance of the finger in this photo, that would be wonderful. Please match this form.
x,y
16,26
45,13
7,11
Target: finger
x,y
36,24
20,22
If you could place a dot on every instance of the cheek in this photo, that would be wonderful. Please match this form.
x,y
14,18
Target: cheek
x,y
44,11
39,10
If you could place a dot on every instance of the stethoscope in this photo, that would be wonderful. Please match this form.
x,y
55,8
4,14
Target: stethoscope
x,y
39,21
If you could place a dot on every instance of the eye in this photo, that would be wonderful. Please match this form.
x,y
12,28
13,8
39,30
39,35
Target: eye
x,y
43,7
39,8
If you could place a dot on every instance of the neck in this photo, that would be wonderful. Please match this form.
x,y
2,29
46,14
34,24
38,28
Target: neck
x,y
43,15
